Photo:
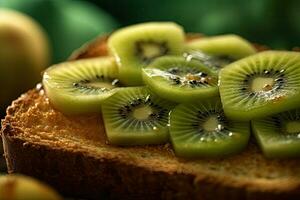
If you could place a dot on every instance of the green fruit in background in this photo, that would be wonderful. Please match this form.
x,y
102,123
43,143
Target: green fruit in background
x,y
68,23
24,53
18,187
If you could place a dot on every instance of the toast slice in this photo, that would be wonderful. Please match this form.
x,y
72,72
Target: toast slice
x,y
72,154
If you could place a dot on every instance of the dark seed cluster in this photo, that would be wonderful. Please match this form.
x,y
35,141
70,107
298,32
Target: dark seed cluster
x,y
190,77
277,75
281,120
83,84
277,121
140,45
157,114
183,70
202,117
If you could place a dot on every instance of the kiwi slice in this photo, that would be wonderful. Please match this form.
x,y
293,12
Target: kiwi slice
x,y
136,46
180,80
80,86
279,135
135,116
202,130
219,51
260,85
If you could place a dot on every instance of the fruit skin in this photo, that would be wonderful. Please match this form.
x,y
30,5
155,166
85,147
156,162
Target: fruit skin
x,y
122,45
19,187
24,52
283,102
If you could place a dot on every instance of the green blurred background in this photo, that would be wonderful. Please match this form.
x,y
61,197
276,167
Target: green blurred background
x,y
70,23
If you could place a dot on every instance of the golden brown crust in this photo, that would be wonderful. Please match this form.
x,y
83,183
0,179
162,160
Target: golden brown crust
x,y
71,153
97,47
152,170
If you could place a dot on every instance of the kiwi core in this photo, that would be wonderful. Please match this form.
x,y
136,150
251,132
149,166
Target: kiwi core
x,y
211,124
107,85
293,127
262,84
149,50
99,84
142,113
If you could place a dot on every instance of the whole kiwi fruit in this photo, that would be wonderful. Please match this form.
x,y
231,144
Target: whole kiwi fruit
x,y
17,187
24,52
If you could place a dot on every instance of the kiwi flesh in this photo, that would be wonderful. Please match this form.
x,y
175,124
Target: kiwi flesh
x,y
219,51
79,87
279,135
136,46
260,85
201,130
135,116
180,80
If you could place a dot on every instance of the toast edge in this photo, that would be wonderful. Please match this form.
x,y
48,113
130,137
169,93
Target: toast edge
x,y
82,175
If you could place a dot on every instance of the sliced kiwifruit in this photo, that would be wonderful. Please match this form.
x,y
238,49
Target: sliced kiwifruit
x,y
279,135
135,116
136,46
80,86
260,85
219,51
202,130
178,79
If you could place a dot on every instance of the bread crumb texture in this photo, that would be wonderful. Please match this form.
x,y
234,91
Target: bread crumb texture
x,y
32,119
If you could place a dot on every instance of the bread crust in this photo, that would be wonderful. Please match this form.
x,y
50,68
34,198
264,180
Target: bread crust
x,y
78,171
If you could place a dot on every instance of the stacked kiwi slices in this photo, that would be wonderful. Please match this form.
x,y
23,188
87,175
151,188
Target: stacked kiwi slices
x,y
205,96
219,51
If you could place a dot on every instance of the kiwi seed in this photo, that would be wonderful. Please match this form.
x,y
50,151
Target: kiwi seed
x,y
279,135
79,87
176,79
136,116
202,130
260,85
136,46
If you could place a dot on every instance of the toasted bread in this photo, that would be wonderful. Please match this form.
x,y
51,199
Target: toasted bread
x,y
72,154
